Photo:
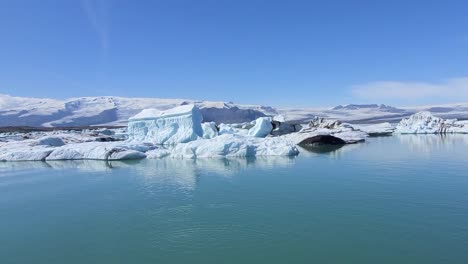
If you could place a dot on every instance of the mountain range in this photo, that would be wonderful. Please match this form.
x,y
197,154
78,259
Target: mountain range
x,y
113,110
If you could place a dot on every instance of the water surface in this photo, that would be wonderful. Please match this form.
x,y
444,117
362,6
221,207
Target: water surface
x,y
389,200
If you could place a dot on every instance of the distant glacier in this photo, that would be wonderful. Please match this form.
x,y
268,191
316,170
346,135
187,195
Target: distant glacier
x,y
115,111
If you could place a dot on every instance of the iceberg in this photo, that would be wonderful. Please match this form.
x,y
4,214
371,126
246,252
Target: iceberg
x,y
50,141
98,151
232,145
177,125
24,150
262,127
51,148
321,127
425,123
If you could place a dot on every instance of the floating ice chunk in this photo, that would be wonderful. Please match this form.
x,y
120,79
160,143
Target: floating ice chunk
x,y
97,151
126,155
33,154
209,130
50,141
376,129
178,125
426,123
23,150
321,126
262,127
349,136
279,118
235,146
25,153
106,132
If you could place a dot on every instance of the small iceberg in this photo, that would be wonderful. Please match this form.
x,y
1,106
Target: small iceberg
x,y
425,123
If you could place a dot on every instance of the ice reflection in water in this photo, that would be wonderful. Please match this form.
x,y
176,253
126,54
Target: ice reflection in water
x,y
180,172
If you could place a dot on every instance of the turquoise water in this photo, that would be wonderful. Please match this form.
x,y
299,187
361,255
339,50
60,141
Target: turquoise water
x,y
389,200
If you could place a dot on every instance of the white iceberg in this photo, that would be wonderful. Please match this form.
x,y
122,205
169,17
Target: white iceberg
x,y
23,151
98,151
177,125
425,123
279,118
262,127
50,141
232,145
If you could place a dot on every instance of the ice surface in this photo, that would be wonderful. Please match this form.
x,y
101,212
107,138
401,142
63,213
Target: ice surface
x,y
425,123
226,129
231,145
262,127
209,130
322,126
97,151
26,150
178,125
376,129
51,141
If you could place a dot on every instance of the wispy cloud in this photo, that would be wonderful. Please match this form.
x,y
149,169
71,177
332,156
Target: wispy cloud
x,y
97,13
453,90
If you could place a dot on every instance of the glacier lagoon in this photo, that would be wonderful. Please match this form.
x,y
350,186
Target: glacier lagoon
x,y
398,199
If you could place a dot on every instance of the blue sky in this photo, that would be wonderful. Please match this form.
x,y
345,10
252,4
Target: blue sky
x,y
281,53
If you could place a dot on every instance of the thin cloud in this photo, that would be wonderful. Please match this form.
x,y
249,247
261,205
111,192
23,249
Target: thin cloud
x,y
454,90
97,13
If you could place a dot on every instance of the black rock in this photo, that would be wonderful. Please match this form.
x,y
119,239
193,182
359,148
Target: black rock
x,y
322,140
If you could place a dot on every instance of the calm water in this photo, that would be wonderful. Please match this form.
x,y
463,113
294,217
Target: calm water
x,y
389,200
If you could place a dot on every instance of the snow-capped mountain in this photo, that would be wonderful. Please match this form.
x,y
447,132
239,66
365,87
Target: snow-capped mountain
x,y
113,110
110,110
381,107
373,113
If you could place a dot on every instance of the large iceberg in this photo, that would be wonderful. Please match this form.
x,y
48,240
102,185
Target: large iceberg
x,y
177,125
426,123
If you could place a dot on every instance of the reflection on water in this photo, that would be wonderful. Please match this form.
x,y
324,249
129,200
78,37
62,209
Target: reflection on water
x,y
181,172
321,149
333,151
431,142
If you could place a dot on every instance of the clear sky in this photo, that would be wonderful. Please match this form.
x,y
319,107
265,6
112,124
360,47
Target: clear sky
x,y
281,53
